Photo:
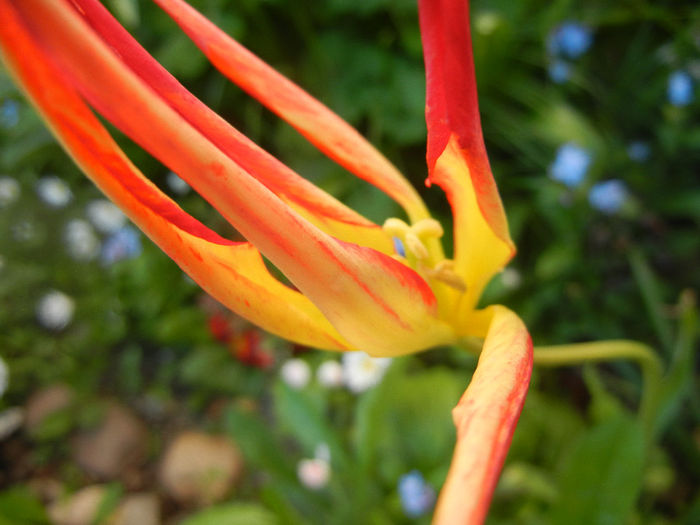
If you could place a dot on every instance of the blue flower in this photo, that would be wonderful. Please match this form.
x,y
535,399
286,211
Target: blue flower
x,y
608,196
638,151
125,243
570,40
9,114
417,497
570,165
680,88
559,71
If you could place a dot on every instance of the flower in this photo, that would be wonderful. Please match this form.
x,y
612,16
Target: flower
x,y
680,88
559,71
314,473
330,374
105,216
638,151
9,191
417,497
53,191
9,114
570,165
361,371
570,39
354,287
55,310
296,373
81,241
125,243
608,196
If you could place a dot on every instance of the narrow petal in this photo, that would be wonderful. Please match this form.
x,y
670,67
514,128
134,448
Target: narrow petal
x,y
375,302
485,419
323,128
233,273
316,205
456,155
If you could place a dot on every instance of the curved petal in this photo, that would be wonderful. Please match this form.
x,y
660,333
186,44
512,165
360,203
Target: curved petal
x,y
316,205
375,302
233,273
485,419
323,128
456,155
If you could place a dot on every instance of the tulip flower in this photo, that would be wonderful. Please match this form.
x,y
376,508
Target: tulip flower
x,y
385,289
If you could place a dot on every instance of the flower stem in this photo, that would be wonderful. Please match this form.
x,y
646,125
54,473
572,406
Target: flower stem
x,y
646,358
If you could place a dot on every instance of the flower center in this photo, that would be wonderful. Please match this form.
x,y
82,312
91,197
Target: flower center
x,y
410,246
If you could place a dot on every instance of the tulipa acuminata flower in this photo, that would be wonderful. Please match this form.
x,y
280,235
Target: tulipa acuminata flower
x,y
388,290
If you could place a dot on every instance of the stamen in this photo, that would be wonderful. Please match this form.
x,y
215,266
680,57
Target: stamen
x,y
428,228
396,227
444,272
416,247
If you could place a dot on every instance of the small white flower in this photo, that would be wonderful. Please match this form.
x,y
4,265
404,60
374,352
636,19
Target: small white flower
x,y
314,473
105,216
53,191
362,371
511,278
330,374
9,191
81,241
176,184
4,377
10,420
296,373
55,310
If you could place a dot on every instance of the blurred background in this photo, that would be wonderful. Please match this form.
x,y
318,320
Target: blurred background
x,y
116,372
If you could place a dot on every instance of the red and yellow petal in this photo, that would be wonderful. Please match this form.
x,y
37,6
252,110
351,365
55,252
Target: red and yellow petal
x,y
375,302
485,419
233,273
316,205
457,159
323,128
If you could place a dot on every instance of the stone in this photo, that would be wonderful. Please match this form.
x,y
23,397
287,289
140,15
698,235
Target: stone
x,y
45,402
141,508
117,444
200,469
80,508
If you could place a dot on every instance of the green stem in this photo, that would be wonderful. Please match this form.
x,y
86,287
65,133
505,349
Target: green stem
x,y
645,356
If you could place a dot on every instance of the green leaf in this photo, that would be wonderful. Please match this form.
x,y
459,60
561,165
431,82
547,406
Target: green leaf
x,y
258,445
406,421
600,480
299,413
651,294
20,505
678,382
233,514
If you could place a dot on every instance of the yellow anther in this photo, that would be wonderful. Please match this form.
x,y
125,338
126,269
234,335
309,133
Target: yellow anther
x,y
444,272
446,265
416,247
428,228
396,227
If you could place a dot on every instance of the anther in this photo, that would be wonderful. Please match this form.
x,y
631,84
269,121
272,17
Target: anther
x,y
416,247
428,228
396,227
